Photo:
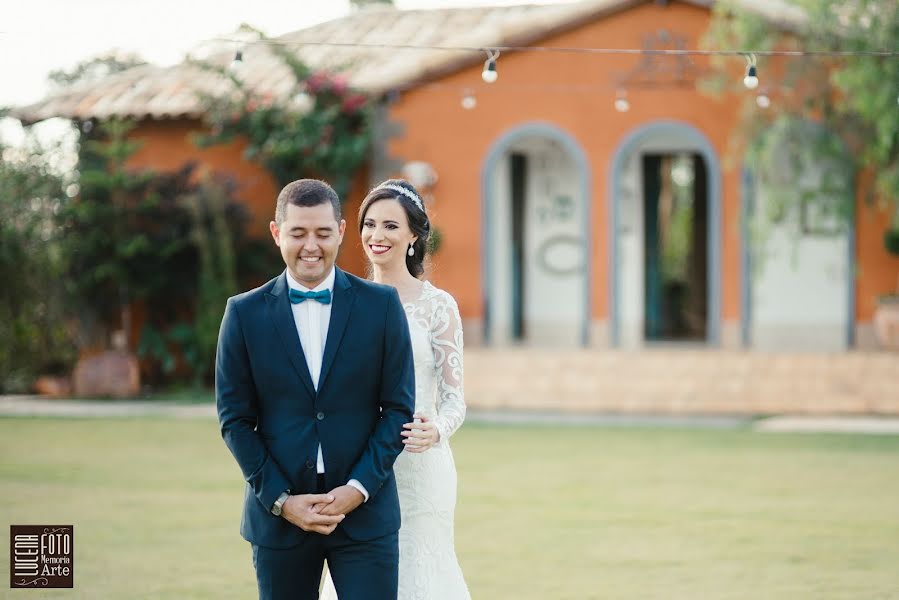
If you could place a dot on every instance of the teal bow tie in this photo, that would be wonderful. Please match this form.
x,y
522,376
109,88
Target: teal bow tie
x,y
323,296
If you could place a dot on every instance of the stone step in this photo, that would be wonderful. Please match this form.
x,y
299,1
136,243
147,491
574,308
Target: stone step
x,y
682,382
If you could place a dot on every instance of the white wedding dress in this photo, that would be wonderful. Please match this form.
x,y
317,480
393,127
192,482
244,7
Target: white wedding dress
x,y
426,481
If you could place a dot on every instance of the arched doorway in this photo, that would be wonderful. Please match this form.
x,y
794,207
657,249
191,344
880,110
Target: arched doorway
x,y
535,186
664,237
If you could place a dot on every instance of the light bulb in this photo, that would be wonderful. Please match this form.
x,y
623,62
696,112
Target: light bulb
x,y
763,101
469,101
489,74
303,102
751,80
237,62
621,103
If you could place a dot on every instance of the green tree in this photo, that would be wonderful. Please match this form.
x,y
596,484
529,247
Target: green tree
x,y
34,335
123,236
213,239
172,244
853,98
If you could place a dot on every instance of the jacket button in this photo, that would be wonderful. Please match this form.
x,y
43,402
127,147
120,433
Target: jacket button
x,y
309,463
320,416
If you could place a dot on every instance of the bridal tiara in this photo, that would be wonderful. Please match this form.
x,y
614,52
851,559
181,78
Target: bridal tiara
x,y
407,193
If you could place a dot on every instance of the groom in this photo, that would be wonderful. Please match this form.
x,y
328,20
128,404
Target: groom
x,y
313,382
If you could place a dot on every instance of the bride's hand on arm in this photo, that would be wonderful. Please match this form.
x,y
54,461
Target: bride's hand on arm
x,y
421,435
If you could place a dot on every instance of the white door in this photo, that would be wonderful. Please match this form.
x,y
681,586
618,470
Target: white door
x,y
499,273
800,280
554,249
537,297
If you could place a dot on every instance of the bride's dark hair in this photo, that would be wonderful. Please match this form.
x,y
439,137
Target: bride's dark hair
x,y
419,223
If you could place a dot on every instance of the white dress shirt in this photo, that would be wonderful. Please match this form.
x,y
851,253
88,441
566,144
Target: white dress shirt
x,y
312,319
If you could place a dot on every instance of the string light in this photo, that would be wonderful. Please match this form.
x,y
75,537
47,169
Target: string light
x,y
621,102
469,101
489,74
498,49
237,62
762,100
751,81
303,102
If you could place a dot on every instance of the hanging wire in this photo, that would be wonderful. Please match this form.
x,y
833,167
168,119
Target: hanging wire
x,y
570,50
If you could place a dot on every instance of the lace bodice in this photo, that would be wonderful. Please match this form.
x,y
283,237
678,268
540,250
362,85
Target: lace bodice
x,y
436,332
426,482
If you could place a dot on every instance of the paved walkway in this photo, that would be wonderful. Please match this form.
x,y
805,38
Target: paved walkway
x,y
31,406
679,381
875,425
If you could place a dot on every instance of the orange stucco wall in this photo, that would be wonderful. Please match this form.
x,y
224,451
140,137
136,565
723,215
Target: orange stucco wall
x,y
167,145
537,87
456,141
877,272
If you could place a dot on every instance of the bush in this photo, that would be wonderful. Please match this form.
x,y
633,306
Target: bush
x,y
34,336
153,253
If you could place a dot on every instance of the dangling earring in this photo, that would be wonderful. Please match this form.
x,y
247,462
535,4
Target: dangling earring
x,y
411,251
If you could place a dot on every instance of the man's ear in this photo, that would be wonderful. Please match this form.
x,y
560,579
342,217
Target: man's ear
x,y
273,227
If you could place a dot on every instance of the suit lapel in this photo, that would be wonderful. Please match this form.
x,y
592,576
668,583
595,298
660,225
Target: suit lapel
x,y
282,318
341,305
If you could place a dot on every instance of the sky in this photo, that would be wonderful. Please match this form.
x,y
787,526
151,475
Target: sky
x,y
38,36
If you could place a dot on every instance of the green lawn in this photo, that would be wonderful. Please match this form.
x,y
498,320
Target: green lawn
x,y
544,512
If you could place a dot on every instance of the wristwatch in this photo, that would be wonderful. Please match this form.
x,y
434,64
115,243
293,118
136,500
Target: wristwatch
x,y
276,507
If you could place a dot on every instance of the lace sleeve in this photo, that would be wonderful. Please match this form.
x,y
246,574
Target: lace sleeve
x,y
446,341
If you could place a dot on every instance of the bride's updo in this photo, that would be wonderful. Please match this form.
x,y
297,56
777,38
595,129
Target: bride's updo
x,y
403,192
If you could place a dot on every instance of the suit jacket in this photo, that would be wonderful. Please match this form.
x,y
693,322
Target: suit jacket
x,y
273,420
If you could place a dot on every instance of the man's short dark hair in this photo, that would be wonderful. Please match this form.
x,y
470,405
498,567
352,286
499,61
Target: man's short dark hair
x,y
306,192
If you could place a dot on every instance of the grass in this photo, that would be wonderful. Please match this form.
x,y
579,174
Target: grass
x,y
544,512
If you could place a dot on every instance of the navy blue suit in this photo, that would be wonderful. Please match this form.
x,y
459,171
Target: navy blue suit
x,y
273,420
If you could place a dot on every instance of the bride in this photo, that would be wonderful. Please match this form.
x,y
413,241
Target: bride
x,y
395,228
